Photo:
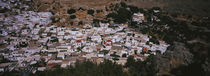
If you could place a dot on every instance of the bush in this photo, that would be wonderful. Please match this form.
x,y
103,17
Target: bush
x,y
113,15
122,16
175,15
71,11
90,12
123,4
104,21
144,31
98,11
134,9
82,9
4,10
105,51
154,40
96,23
54,39
80,23
124,55
53,20
73,16
133,24
23,44
141,10
130,61
71,23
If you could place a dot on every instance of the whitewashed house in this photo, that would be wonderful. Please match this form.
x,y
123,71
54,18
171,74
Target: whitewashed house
x,y
87,49
139,17
41,68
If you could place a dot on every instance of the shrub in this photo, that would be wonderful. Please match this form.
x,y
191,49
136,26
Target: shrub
x,y
71,11
123,4
134,9
71,23
23,44
80,23
73,16
124,55
123,15
91,12
113,15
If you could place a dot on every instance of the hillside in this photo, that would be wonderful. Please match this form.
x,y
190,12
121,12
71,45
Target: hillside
x,y
192,7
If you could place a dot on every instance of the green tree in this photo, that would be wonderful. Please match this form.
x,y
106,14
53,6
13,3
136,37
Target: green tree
x,y
90,12
122,15
123,4
130,61
73,16
71,11
134,9
135,51
124,55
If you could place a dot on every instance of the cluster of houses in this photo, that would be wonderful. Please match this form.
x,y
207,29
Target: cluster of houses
x,y
29,41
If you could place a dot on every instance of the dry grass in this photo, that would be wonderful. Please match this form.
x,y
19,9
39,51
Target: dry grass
x,y
97,4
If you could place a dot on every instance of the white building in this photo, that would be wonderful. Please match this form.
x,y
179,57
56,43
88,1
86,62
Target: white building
x,y
139,17
61,55
87,49
41,68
